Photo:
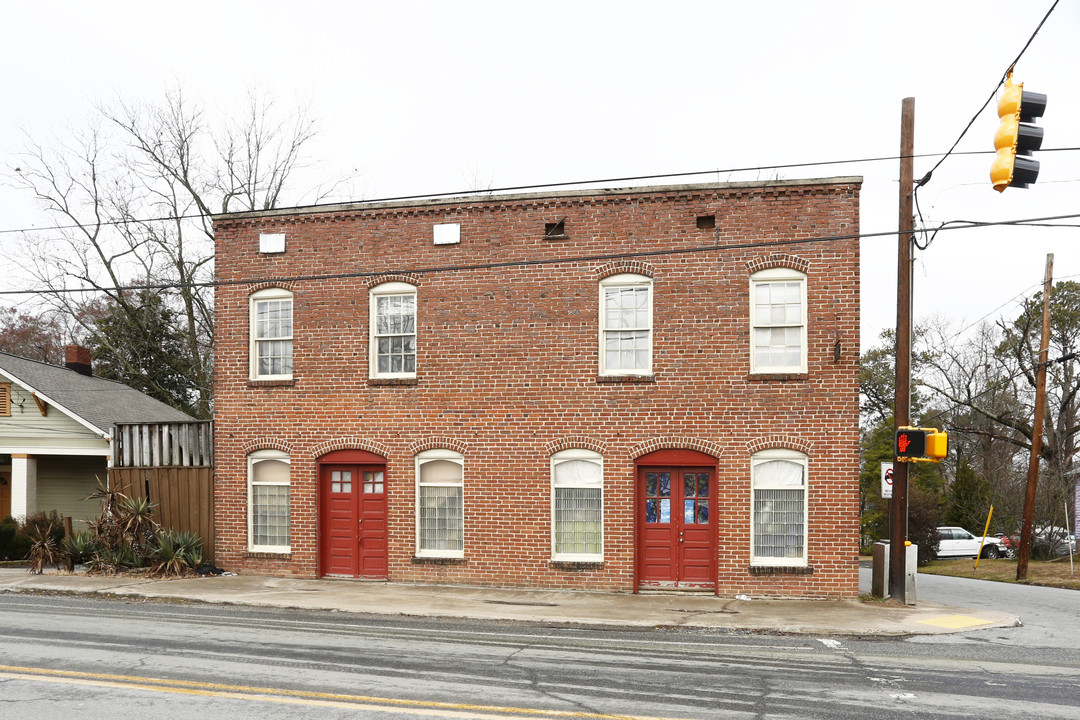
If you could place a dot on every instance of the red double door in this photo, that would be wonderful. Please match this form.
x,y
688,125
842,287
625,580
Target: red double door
x,y
353,526
676,519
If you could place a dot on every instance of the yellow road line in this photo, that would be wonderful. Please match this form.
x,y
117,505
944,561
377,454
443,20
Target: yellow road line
x,y
299,697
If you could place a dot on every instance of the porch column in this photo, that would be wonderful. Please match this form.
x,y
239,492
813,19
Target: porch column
x,y
23,485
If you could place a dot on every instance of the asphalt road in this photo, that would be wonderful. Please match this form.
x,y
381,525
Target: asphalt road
x,y
114,659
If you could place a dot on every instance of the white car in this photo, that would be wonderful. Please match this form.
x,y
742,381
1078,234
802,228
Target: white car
x,y
958,542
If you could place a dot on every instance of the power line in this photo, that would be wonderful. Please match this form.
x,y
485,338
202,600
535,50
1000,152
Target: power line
x,y
539,186
524,263
926,178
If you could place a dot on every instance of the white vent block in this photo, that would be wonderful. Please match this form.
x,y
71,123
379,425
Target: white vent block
x,y
447,233
271,242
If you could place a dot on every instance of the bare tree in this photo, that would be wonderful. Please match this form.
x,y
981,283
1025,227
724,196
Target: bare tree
x,y
132,196
990,382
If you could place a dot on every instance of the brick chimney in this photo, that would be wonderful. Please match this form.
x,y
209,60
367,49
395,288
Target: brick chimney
x,y
77,358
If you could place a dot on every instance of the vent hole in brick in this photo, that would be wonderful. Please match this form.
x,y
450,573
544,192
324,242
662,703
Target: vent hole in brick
x,y
555,229
706,222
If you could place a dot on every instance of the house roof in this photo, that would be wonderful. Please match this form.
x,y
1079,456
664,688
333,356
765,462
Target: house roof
x,y
94,401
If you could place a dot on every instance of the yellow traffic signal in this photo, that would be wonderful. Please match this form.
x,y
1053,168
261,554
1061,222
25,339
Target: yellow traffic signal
x,y
1016,137
937,445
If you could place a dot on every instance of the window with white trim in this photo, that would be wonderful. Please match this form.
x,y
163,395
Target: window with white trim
x,y
271,330
778,321
268,501
440,504
626,325
577,506
778,514
393,330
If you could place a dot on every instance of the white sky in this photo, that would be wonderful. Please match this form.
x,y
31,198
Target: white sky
x,y
446,96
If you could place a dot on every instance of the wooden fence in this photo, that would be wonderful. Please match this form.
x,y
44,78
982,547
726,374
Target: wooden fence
x,y
182,444
171,464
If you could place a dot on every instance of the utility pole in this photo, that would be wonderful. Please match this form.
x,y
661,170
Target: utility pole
x,y
1036,426
902,405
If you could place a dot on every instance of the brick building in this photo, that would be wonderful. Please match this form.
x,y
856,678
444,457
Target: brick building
x,y
607,389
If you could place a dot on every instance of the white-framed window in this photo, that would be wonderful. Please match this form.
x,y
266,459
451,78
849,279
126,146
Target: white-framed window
x,y
778,512
626,325
778,321
577,506
268,501
271,330
393,330
440,504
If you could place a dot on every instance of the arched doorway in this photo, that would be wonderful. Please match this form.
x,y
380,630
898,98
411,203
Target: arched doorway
x,y
352,515
676,520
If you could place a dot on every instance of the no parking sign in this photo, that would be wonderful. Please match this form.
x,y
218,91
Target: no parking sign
x,y
886,480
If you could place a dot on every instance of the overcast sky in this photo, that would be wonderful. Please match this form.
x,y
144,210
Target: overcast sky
x,y
444,96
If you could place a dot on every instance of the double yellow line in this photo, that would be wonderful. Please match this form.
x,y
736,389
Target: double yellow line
x,y
297,697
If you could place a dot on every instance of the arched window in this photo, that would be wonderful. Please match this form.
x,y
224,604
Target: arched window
x,y
626,325
577,506
440,504
778,321
393,330
271,332
268,501
778,514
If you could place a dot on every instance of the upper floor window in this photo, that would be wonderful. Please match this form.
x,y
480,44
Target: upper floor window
x,y
271,326
626,325
778,518
778,321
577,506
440,504
393,331
268,501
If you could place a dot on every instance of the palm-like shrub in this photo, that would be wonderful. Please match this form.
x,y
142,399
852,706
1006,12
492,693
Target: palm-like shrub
x,y
44,549
80,546
125,536
174,553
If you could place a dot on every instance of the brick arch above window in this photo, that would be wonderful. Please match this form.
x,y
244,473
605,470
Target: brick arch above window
x,y
574,442
267,444
625,267
270,285
676,443
438,443
778,260
408,278
350,443
778,442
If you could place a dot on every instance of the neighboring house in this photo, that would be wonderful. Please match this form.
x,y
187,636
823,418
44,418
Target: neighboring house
x,y
622,389
54,433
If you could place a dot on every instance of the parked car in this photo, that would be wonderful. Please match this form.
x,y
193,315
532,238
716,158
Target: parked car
x,y
1057,541
1046,543
958,542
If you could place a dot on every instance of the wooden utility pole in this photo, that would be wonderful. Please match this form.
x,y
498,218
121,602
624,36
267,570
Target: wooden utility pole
x,y
1036,426
902,407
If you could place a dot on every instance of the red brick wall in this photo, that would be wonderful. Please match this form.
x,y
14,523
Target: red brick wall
x,y
507,369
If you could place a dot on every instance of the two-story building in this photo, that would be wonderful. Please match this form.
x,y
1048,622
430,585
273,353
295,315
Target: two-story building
x,y
616,389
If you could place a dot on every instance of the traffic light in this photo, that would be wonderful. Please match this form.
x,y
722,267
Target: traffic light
x,y
1016,137
921,444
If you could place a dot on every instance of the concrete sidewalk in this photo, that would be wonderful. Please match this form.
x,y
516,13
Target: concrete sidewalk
x,y
830,617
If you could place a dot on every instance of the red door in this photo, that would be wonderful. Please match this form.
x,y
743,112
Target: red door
x,y
353,540
676,522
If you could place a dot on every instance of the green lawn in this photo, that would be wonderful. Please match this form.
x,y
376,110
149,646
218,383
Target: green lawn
x,y
1054,573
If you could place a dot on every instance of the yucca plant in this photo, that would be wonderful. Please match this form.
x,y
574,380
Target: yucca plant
x,y
135,519
80,546
44,549
168,556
